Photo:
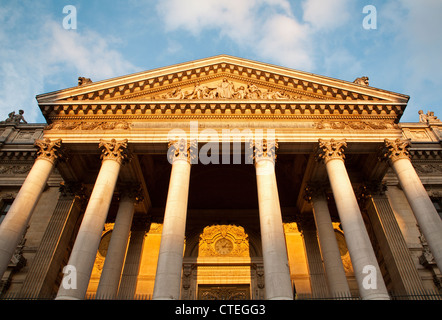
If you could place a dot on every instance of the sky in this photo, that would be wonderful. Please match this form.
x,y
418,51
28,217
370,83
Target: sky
x,y
397,44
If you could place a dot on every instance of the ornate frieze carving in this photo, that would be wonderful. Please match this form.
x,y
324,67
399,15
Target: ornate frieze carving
x,y
331,149
14,169
227,90
88,125
114,150
181,149
48,150
397,149
427,168
355,125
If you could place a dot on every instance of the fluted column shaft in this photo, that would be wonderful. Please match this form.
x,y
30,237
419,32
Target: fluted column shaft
x,y
85,248
170,259
426,215
362,255
13,226
274,251
116,252
336,278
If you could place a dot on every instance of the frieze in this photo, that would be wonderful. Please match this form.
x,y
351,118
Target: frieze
x,y
427,168
356,125
228,90
14,169
87,125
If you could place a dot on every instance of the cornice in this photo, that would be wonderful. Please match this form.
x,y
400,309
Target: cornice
x,y
177,109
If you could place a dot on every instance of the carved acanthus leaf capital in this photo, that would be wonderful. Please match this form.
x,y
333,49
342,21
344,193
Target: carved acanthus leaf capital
x,y
48,150
182,150
264,149
397,149
331,149
315,189
114,150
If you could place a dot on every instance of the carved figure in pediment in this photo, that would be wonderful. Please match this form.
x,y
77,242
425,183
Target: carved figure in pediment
x,y
253,92
225,89
175,94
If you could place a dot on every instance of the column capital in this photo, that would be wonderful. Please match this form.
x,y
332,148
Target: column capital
x,y
48,150
331,149
264,149
314,188
397,149
114,150
181,150
132,190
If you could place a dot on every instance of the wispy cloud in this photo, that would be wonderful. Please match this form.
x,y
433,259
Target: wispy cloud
x,y
267,27
38,55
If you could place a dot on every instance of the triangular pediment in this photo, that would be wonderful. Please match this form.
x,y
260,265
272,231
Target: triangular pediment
x,y
220,79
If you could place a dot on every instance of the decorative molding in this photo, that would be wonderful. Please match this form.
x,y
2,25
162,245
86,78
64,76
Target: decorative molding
x,y
355,125
48,150
228,90
14,169
114,150
397,149
140,109
331,149
88,125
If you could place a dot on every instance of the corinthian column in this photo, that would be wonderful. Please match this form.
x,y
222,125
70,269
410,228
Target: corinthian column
x,y
336,278
367,272
15,222
170,258
423,209
88,238
113,264
274,252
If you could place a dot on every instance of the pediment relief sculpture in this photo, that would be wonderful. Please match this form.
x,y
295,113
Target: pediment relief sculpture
x,y
227,89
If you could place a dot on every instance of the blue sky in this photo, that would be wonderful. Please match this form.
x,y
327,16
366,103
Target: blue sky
x,y
114,38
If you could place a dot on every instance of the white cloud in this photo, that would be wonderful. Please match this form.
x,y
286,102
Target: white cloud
x,y
37,55
280,31
417,44
326,14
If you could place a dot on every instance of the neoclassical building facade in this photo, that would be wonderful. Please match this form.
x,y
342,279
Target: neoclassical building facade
x,y
221,178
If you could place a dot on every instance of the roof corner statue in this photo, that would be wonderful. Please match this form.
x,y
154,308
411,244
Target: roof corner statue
x,y
14,118
82,81
362,81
